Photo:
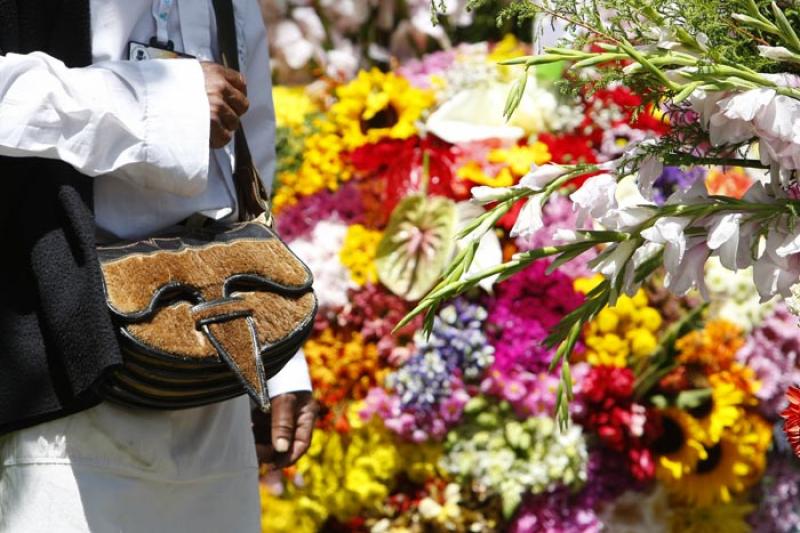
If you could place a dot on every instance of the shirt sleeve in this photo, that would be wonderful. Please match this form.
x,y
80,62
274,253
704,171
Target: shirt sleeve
x,y
293,377
146,121
259,123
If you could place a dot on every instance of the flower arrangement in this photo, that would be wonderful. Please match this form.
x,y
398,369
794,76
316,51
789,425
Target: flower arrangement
x,y
673,401
720,78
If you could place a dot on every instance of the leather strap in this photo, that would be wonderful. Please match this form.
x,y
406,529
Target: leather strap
x,y
250,193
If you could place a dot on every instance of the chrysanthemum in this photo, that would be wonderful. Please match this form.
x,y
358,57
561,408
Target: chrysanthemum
x,y
730,518
732,465
376,106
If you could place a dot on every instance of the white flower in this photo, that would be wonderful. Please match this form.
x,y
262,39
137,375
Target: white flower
x,y
615,261
731,241
777,53
540,177
774,274
529,220
320,251
690,271
595,198
489,252
484,194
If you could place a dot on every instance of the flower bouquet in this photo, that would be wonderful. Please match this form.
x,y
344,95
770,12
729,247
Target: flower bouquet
x,y
723,75
673,402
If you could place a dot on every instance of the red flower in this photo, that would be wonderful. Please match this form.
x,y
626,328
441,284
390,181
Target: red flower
x,y
400,164
791,415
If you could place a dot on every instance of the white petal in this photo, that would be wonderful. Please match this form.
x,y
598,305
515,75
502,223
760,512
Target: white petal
x,y
540,177
529,220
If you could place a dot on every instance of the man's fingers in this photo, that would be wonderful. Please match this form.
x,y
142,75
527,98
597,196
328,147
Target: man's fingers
x,y
283,422
237,100
236,79
305,429
227,117
219,135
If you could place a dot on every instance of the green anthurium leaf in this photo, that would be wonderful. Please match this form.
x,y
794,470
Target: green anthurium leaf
x,y
416,245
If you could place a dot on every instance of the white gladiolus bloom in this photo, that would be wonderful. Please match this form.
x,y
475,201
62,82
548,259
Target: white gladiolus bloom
x,y
529,220
690,271
595,198
541,176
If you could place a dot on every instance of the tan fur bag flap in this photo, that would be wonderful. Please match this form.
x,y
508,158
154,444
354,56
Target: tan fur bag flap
x,y
217,299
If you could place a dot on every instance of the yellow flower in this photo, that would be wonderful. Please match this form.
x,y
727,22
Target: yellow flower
x,y
642,342
377,106
292,106
473,172
520,158
679,447
731,466
627,329
345,476
358,253
721,411
730,518
322,168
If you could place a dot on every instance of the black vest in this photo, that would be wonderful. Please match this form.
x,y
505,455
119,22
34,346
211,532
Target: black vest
x,y
56,337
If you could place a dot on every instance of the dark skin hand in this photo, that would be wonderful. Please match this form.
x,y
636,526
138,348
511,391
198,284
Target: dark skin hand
x,y
283,438
285,435
227,100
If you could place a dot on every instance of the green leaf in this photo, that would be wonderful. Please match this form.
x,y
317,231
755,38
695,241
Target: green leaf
x,y
416,245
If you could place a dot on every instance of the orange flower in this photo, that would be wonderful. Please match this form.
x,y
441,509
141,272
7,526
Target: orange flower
x,y
791,415
730,181
712,348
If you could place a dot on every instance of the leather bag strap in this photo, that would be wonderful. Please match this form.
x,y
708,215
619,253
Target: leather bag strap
x,y
251,196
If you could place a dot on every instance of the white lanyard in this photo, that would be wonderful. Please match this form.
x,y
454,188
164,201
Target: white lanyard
x,y
161,12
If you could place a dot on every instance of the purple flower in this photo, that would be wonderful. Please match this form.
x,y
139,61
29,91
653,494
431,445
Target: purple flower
x,y
556,512
772,351
298,220
778,496
674,179
419,71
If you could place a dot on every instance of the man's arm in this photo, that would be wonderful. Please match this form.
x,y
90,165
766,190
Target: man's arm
x,y
149,122
293,410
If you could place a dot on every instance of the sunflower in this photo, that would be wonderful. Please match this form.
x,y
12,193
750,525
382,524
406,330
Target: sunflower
x,y
678,448
730,518
722,410
731,466
377,106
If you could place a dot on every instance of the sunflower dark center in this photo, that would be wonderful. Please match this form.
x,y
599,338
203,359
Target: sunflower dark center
x,y
385,118
671,439
712,461
702,410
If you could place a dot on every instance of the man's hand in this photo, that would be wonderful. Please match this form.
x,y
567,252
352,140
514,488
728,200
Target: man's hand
x,y
287,437
227,100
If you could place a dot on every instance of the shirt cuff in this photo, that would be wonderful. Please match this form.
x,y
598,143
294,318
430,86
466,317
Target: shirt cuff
x,y
293,377
177,124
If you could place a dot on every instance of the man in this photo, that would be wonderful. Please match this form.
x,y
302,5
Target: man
x,y
102,144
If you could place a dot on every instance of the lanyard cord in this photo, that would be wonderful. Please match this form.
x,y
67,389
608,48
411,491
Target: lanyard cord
x,y
161,12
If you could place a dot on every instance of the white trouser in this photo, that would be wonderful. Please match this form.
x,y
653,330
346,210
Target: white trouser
x,y
113,469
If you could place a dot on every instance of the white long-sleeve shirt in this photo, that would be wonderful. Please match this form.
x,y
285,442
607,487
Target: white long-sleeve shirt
x,y
142,130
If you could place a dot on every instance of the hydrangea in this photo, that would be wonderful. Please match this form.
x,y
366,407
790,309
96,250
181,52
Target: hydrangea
x,y
772,350
508,457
